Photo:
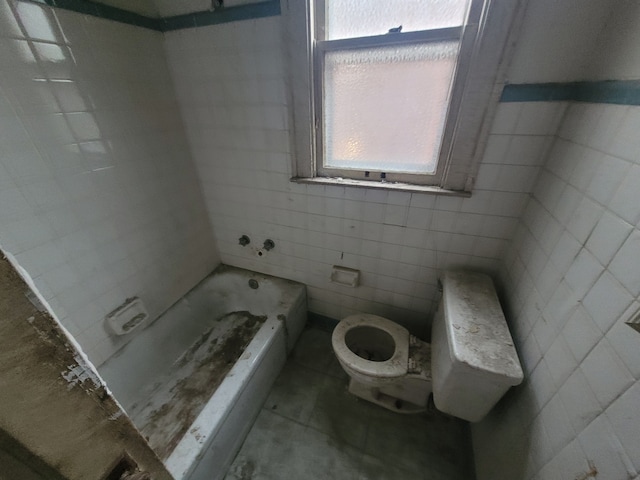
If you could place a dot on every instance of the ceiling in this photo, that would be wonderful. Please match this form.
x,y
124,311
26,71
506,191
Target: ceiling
x,y
169,8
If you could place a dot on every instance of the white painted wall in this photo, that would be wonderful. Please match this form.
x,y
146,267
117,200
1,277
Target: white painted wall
x,y
232,86
558,38
617,55
99,200
169,8
574,40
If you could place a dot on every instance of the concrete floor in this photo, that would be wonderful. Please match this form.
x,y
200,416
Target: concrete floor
x,y
310,427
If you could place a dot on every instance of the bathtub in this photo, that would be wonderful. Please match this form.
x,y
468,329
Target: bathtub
x,y
194,380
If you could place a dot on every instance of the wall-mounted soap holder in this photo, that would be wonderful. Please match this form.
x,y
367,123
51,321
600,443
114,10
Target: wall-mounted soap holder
x,y
128,317
348,277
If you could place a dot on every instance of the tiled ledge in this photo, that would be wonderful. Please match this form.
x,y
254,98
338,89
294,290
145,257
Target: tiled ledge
x,y
398,187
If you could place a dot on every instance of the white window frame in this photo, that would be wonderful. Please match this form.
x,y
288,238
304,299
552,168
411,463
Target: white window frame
x,y
486,45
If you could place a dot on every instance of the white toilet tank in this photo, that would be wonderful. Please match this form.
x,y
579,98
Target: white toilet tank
x,y
473,360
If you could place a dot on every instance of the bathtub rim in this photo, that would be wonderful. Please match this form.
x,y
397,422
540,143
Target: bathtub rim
x,y
185,456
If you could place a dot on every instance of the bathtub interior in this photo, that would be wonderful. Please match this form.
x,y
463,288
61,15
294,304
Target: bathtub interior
x,y
167,373
170,406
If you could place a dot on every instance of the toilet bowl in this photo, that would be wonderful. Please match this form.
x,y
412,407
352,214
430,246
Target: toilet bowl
x,y
387,365
469,366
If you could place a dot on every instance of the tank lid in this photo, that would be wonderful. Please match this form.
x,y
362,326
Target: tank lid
x,y
476,328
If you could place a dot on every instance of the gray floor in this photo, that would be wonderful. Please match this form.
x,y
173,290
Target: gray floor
x,y
310,427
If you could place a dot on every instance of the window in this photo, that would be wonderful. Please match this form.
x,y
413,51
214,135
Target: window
x,y
398,92
383,77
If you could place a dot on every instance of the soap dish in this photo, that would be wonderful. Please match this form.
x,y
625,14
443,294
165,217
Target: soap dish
x,y
348,277
127,317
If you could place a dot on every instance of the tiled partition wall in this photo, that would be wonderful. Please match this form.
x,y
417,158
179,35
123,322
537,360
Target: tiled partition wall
x,y
571,279
99,200
232,87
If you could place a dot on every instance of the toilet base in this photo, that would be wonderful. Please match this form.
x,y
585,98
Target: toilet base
x,y
375,395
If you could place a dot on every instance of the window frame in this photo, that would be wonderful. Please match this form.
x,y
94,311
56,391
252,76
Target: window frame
x,y
409,38
486,44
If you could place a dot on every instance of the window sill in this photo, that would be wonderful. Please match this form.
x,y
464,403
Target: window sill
x,y
397,187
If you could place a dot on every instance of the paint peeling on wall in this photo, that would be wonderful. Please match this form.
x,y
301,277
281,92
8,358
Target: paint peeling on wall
x,y
52,401
78,374
116,415
82,357
80,369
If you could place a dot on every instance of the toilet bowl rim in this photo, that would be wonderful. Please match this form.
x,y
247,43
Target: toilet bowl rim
x,y
396,366
397,331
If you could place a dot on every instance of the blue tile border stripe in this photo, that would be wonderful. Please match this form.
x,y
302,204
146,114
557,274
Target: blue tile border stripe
x,y
250,11
619,92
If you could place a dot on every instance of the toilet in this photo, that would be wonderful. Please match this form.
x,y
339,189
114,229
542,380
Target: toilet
x,y
468,367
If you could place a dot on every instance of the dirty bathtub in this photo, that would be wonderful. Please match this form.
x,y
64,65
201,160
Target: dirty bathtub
x,y
194,380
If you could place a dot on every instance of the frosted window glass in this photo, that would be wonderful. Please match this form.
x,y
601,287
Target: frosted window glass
x,y
362,18
385,108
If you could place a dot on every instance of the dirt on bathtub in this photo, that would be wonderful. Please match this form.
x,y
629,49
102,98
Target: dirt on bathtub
x,y
212,359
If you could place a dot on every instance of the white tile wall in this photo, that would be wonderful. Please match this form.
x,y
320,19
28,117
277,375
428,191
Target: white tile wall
x,y
99,200
233,90
569,291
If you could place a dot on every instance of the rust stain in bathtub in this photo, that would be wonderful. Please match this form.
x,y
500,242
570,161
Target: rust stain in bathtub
x,y
166,424
189,354
196,433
